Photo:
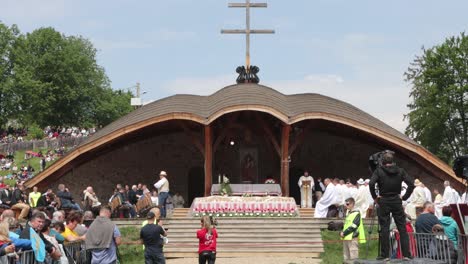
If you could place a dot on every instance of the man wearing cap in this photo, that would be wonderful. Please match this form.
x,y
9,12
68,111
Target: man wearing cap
x,y
151,234
163,192
417,199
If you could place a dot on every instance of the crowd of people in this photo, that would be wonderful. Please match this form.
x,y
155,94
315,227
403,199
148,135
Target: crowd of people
x,y
397,200
13,135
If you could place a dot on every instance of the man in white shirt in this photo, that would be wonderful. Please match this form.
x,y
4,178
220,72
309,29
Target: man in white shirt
x,y
163,192
306,184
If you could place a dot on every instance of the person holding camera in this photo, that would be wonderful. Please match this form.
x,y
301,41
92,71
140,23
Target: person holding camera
x,y
207,237
389,178
151,234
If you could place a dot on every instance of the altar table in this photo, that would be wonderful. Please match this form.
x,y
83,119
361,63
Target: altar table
x,y
250,189
239,206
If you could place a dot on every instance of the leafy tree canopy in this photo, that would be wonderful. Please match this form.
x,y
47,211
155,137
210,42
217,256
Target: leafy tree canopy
x,y
438,117
53,79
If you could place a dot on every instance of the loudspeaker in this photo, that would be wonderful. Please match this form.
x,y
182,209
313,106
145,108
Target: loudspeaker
x,y
460,166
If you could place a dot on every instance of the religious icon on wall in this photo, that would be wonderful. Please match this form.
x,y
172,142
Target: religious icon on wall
x,y
248,159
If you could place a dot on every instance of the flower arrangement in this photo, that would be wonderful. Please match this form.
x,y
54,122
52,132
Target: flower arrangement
x,y
270,181
225,187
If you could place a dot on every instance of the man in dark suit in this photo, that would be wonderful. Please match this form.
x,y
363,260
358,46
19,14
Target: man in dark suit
x,y
133,195
5,196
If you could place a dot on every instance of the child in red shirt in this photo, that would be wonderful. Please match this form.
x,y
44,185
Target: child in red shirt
x,y
207,236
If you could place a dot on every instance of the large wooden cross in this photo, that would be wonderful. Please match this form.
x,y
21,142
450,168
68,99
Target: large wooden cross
x,y
247,31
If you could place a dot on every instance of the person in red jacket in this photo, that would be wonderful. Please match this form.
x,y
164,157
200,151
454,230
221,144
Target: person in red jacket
x,y
207,237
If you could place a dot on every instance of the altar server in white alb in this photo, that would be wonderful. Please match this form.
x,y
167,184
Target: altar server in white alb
x,y
361,204
306,184
418,198
329,198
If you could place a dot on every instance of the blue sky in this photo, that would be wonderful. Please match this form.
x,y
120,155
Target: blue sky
x,y
356,51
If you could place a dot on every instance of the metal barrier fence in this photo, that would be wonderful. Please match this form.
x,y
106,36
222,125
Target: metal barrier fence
x,y
436,247
74,252
462,249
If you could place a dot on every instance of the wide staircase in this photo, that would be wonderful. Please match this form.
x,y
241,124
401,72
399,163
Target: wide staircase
x,y
245,237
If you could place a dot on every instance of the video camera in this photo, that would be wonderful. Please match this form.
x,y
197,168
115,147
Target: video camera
x,y
375,160
460,167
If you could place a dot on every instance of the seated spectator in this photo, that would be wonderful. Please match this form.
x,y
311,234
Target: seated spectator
x,y
59,228
424,223
6,214
91,199
18,201
66,198
441,246
40,245
449,225
178,200
132,195
5,196
13,237
51,238
58,217
73,220
426,220
88,218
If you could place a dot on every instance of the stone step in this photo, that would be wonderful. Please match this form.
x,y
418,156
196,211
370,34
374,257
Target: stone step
x,y
250,255
311,235
181,247
245,231
257,239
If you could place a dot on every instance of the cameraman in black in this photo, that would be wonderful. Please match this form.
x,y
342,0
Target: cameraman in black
x,y
389,178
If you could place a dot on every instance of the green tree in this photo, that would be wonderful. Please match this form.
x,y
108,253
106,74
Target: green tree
x,y
438,117
113,104
8,37
57,79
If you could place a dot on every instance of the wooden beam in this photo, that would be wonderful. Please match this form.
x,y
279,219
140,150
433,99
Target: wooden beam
x,y
225,130
269,134
193,137
208,159
299,139
285,131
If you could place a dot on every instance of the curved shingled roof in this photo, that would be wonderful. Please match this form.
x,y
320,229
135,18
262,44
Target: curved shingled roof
x,y
288,108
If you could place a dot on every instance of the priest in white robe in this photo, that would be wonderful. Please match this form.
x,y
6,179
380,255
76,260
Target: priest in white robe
x,y
361,202
306,184
428,193
329,198
438,203
464,197
450,195
418,198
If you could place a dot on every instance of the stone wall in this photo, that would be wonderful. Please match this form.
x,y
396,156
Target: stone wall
x,y
138,162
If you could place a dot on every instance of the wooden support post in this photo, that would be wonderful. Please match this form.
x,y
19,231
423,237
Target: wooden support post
x,y
208,159
285,159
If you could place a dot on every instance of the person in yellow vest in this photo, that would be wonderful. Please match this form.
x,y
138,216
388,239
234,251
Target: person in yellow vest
x,y
353,231
33,197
